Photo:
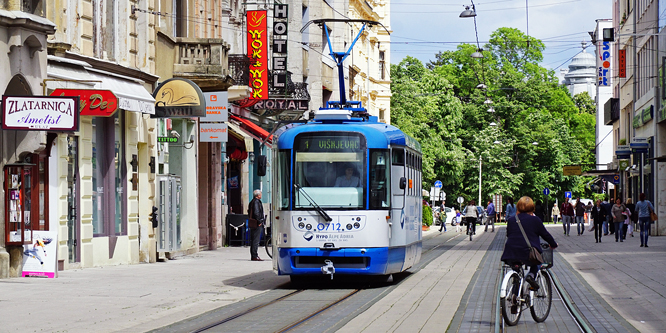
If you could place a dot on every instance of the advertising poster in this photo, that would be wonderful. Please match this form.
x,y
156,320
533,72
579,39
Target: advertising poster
x,y
39,257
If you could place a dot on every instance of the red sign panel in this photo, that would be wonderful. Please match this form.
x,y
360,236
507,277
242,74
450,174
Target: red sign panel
x,y
257,50
622,65
101,103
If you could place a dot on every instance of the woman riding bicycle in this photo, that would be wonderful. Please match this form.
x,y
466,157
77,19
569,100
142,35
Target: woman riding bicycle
x,y
471,215
516,251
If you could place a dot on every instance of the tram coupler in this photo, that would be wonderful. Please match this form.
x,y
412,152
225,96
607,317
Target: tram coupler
x,y
328,268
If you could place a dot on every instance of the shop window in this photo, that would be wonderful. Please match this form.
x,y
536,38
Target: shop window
x,y
109,175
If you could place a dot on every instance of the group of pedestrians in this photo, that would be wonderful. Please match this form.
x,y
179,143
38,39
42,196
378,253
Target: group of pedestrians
x,y
623,218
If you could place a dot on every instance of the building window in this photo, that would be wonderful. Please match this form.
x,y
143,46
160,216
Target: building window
x,y
382,66
35,7
109,175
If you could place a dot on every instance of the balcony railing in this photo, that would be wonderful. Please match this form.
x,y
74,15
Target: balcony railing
x,y
239,69
201,56
239,65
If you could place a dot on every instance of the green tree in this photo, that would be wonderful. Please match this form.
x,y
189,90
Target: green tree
x,y
539,127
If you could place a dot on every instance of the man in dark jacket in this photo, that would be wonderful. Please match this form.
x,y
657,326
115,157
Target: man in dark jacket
x,y
607,208
256,211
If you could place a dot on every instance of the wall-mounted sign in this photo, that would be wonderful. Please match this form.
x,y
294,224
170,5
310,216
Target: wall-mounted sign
x,y
101,103
257,50
604,64
40,113
622,63
623,151
213,132
282,104
167,139
643,117
217,107
179,98
639,145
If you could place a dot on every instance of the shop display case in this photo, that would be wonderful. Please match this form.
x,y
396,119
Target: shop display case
x,y
18,185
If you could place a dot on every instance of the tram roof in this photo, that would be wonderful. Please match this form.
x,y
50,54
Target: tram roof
x,y
377,135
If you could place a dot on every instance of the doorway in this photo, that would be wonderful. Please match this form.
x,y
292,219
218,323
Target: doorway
x,y
73,198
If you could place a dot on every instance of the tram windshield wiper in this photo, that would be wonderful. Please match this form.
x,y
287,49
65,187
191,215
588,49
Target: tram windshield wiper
x,y
313,203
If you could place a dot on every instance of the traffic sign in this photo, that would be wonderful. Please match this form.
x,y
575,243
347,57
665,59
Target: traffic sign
x,y
567,194
438,184
546,191
461,200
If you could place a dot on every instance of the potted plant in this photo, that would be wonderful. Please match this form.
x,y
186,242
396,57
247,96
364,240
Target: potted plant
x,y
427,217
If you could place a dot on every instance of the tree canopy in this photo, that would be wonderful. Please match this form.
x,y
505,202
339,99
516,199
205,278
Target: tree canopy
x,y
538,127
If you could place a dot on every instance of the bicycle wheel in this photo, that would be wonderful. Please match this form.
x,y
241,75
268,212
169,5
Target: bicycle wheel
x,y
543,298
268,244
510,304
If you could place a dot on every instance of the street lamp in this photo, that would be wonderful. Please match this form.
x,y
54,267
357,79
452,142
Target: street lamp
x,y
480,165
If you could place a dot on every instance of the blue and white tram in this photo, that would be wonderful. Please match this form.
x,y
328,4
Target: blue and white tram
x,y
346,198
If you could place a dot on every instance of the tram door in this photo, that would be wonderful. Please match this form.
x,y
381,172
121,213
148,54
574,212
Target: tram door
x,y
168,228
398,200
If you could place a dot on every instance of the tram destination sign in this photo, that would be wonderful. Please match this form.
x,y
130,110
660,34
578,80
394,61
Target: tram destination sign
x,y
330,144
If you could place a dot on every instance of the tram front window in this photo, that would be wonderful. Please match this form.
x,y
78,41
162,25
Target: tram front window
x,y
329,168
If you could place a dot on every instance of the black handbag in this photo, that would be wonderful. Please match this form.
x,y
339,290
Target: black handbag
x,y
534,256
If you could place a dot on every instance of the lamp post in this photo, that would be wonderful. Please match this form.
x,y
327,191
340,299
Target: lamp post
x,y
480,165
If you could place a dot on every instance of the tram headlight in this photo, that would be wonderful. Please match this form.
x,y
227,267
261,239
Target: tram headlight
x,y
301,225
349,226
300,219
357,225
308,226
358,219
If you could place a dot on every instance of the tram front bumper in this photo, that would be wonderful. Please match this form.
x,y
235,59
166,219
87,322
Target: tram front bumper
x,y
351,261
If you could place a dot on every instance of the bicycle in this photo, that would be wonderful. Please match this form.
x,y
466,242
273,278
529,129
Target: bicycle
x,y
471,227
516,295
268,243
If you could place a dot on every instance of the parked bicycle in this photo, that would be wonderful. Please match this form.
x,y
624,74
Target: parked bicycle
x,y
517,295
268,242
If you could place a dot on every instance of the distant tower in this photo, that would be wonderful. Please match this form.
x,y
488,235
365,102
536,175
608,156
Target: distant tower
x,y
582,74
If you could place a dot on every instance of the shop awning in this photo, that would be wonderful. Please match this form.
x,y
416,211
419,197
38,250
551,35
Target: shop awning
x,y
132,95
242,134
256,130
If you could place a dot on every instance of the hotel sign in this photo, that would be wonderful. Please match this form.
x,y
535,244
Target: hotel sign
x,y
178,98
282,104
257,50
280,29
40,113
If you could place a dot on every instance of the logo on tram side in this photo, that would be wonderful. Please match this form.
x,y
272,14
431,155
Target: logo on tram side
x,y
308,235
402,218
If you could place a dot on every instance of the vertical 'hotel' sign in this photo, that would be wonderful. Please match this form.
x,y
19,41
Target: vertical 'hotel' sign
x,y
257,50
280,25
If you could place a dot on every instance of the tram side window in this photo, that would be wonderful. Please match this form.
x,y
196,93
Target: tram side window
x,y
398,157
284,178
410,161
380,195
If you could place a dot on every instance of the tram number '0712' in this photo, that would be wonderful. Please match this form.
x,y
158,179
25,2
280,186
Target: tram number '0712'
x,y
330,227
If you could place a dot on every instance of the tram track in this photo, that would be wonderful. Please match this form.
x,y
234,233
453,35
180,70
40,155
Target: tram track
x,y
299,308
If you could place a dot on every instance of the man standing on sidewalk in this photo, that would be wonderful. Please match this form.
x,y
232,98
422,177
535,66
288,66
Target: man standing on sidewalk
x,y
256,211
490,210
607,207
442,216
567,215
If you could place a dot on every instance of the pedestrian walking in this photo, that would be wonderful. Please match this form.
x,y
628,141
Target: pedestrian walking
x,y
629,227
490,210
442,217
618,218
567,211
555,212
540,211
598,217
644,208
627,220
607,207
580,216
256,212
510,209
458,219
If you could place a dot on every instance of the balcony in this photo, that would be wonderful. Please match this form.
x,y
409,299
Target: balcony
x,y
204,61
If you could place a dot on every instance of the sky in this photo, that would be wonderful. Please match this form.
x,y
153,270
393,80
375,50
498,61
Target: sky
x,y
561,24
